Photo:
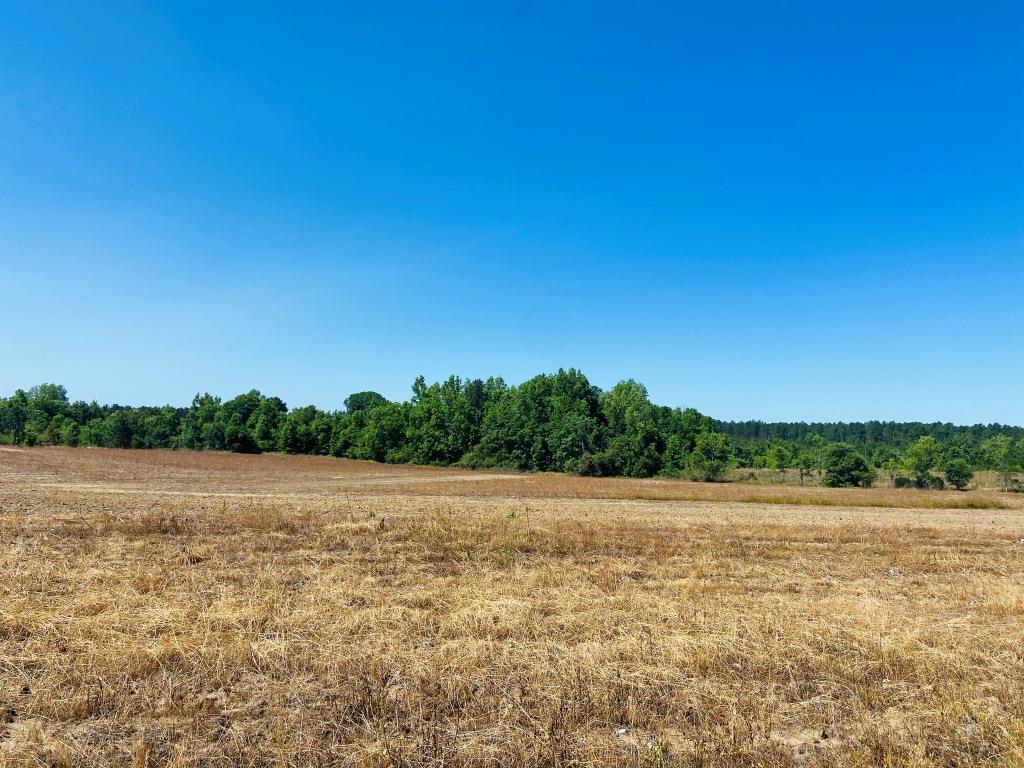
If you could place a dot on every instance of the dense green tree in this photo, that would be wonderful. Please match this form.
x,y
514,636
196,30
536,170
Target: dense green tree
x,y
679,429
805,462
63,430
920,458
958,472
634,444
574,424
552,422
779,456
363,401
676,458
49,399
159,427
382,436
710,456
549,422
301,431
845,466
264,422
197,425
13,416
886,459
442,424
1004,456
814,445
119,429
509,433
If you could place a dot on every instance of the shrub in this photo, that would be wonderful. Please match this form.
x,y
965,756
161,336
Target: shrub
x,y
902,481
958,473
929,482
844,466
590,465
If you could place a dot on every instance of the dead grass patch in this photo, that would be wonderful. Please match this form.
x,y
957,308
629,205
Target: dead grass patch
x,y
301,623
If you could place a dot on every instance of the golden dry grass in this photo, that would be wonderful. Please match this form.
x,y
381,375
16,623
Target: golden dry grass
x,y
214,610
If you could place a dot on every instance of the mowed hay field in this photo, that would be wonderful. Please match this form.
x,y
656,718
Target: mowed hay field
x,y
186,609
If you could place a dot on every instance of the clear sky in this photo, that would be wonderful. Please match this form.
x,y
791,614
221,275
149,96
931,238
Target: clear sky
x,y
786,211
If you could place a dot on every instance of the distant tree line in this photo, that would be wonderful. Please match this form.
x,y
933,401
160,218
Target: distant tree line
x,y
866,433
906,453
552,422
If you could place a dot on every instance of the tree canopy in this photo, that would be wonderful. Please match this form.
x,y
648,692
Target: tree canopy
x,y
552,422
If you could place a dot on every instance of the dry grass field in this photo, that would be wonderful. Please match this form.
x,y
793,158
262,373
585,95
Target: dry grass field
x,y
185,609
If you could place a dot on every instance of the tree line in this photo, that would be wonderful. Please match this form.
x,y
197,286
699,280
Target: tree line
x,y
869,433
552,422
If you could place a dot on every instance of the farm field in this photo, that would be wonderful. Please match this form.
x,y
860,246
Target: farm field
x,y
203,609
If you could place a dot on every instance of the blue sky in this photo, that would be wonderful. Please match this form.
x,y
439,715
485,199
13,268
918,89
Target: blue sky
x,y
786,211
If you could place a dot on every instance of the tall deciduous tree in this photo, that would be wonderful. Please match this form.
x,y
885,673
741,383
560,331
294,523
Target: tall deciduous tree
x,y
710,456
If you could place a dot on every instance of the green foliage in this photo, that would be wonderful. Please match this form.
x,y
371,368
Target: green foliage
x,y
710,456
443,423
264,422
548,423
920,458
634,443
553,422
305,430
845,466
376,434
958,472
676,458
1003,455
14,412
363,401
891,464
779,456
805,461
898,435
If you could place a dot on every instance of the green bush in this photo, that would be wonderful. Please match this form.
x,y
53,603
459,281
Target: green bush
x,y
958,473
844,466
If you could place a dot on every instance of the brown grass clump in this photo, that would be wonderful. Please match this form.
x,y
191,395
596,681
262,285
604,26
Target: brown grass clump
x,y
208,610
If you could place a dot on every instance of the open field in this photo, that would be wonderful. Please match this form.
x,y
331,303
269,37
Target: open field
x,y
187,609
